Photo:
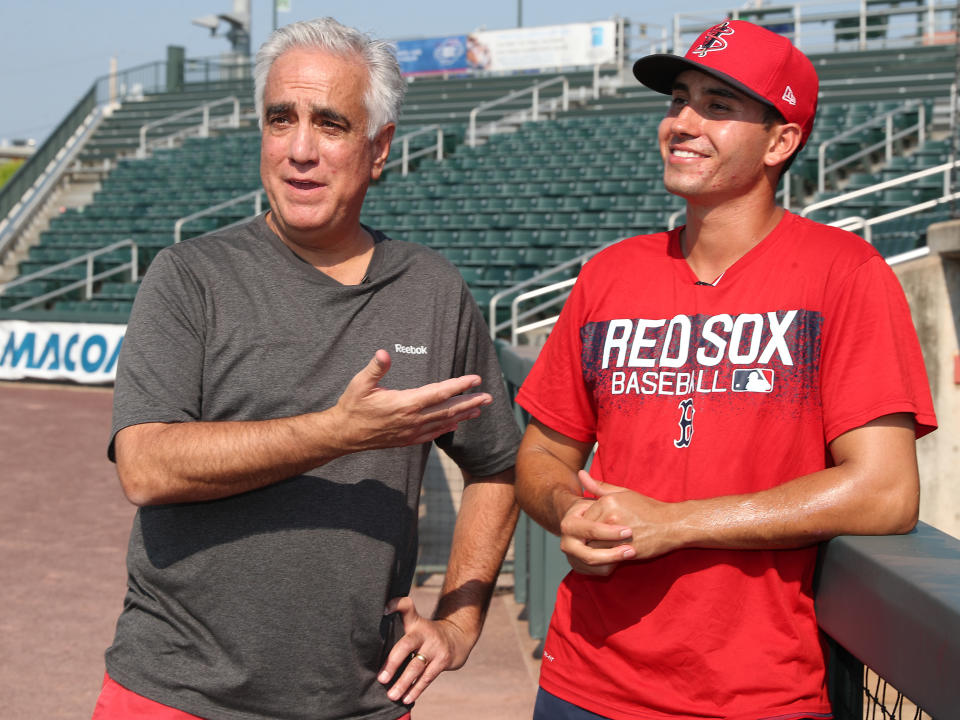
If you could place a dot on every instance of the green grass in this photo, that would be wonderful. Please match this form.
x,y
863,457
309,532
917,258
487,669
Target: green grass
x,y
7,169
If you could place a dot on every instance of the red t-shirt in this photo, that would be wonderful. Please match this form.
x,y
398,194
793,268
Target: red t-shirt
x,y
696,391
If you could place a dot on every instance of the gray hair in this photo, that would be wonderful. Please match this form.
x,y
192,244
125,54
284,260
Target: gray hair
x,y
384,96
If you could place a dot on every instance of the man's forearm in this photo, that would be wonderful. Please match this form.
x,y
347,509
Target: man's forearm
x,y
801,512
546,489
873,489
547,465
485,525
196,461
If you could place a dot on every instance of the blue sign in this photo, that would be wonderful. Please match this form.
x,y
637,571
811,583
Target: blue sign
x,y
432,55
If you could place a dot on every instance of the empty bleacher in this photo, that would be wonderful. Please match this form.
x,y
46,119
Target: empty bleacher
x,y
119,133
503,211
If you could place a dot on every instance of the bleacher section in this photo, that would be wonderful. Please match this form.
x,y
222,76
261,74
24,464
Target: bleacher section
x,y
119,134
524,201
449,100
503,211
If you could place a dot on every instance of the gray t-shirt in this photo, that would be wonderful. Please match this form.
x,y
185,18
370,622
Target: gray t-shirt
x,y
269,604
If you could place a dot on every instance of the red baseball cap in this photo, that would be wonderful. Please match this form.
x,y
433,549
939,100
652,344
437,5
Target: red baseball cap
x,y
762,64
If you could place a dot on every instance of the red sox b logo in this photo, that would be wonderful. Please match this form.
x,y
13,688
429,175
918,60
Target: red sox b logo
x,y
713,39
686,423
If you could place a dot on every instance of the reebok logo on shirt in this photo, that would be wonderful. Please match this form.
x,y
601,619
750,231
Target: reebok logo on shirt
x,y
410,349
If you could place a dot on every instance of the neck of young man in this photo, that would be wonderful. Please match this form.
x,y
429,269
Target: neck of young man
x,y
717,236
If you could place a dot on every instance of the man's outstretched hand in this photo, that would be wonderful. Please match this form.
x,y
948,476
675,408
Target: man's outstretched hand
x,y
371,417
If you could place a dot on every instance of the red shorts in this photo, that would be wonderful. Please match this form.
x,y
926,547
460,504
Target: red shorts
x,y
118,703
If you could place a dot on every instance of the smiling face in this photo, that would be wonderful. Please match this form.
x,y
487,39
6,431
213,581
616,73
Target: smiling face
x,y
714,143
316,158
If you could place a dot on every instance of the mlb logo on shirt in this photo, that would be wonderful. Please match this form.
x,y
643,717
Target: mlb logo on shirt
x,y
758,380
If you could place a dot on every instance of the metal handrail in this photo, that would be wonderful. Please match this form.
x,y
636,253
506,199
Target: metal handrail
x,y
34,197
516,316
255,195
234,121
86,283
944,168
636,39
516,329
887,143
534,109
406,156
11,194
535,280
814,24
858,222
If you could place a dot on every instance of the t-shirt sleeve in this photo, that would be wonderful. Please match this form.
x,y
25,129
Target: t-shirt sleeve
x,y
159,371
555,392
871,359
488,444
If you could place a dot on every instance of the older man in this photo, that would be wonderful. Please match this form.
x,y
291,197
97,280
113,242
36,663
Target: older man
x,y
278,487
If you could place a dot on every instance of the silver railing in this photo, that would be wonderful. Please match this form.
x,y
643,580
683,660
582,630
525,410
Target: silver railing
x,y
406,156
637,39
200,130
35,197
536,107
828,25
890,136
87,282
858,222
548,296
944,169
256,196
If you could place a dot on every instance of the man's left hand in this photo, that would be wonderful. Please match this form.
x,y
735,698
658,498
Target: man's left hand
x,y
652,522
432,646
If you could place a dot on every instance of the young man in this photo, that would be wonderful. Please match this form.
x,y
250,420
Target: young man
x,y
754,386
276,539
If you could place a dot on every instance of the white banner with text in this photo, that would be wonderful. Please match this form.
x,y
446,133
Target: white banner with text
x,y
548,46
78,352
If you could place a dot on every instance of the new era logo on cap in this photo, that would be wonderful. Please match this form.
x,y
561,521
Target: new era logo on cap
x,y
760,63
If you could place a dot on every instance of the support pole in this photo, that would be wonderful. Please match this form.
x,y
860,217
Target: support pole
x,y
954,141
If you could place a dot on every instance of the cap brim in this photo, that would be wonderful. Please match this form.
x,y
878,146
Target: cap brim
x,y
658,72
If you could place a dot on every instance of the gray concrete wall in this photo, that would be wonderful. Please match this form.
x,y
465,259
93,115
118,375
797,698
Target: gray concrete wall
x,y
932,286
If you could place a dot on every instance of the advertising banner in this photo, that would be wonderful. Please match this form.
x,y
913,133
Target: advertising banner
x,y
543,47
433,55
550,46
79,352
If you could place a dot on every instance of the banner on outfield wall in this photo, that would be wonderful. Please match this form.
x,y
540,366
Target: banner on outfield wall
x,y
544,47
78,352
433,55
549,46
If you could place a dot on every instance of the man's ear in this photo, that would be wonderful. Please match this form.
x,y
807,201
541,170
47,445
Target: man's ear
x,y
784,141
381,149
